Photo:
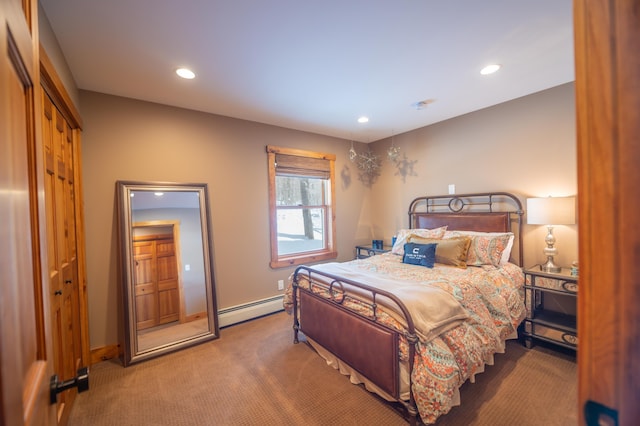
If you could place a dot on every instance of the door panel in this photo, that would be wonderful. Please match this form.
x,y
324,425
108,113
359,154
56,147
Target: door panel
x,y
145,286
157,283
168,292
24,330
607,38
61,248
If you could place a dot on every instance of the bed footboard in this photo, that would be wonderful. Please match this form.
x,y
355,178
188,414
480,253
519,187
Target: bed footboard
x,y
367,346
361,344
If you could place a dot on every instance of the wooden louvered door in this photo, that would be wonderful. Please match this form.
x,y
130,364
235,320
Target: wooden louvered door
x,y
58,140
156,280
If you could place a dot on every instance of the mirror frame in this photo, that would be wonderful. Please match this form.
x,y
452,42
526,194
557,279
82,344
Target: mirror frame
x,y
124,190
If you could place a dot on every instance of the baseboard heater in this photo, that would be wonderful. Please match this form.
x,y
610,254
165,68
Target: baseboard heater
x,y
248,311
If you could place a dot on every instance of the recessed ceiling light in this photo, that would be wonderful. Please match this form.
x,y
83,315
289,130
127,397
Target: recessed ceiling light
x,y
363,119
185,73
490,69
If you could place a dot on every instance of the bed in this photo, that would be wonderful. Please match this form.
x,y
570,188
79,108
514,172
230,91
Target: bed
x,y
413,327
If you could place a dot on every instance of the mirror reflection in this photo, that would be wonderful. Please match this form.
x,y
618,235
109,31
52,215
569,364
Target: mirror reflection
x,y
167,272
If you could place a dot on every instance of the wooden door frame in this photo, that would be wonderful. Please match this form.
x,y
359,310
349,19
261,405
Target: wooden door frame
x,y
607,42
175,227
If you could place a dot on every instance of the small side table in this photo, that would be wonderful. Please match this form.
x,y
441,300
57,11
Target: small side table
x,y
543,324
362,252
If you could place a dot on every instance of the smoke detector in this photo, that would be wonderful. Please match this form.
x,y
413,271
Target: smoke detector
x,y
422,104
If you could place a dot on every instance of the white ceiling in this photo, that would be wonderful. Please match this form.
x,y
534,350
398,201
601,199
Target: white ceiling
x,y
170,199
318,65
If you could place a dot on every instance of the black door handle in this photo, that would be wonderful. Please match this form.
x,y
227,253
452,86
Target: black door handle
x,y
81,381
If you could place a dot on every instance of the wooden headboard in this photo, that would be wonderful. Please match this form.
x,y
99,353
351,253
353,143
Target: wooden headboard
x,y
482,212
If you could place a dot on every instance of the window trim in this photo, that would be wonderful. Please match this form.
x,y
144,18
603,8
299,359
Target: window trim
x,y
330,251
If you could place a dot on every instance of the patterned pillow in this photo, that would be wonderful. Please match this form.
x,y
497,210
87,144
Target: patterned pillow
x,y
452,251
419,254
403,235
486,248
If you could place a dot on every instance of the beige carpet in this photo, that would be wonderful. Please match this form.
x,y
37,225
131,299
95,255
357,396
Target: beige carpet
x,y
255,375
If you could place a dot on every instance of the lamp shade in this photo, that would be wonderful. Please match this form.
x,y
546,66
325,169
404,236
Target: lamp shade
x,y
551,211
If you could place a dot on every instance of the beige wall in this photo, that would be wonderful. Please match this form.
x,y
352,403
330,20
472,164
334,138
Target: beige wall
x,y
179,145
50,44
526,146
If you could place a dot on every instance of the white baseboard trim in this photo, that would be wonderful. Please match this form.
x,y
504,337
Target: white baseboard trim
x,y
248,311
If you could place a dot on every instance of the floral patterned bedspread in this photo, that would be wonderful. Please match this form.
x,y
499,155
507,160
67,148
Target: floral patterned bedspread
x,y
493,298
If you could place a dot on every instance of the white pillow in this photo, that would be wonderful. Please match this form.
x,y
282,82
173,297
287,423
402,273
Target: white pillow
x,y
506,254
403,235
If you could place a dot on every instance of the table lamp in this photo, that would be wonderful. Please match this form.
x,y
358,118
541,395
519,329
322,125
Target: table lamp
x,y
551,211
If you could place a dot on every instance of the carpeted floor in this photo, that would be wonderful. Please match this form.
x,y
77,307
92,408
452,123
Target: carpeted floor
x,y
255,375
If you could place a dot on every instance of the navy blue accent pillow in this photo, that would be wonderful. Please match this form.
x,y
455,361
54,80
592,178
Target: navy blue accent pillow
x,y
420,254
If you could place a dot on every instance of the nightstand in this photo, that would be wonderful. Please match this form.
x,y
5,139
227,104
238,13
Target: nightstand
x,y
362,252
546,324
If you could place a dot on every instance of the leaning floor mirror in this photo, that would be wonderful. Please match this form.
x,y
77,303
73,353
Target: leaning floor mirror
x,y
166,266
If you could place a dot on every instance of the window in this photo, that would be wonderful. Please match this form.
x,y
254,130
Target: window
x,y
301,206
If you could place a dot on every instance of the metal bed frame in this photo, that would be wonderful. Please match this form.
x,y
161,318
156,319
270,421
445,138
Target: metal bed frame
x,y
370,344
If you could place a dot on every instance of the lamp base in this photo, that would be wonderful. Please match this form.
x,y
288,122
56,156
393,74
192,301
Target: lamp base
x,y
550,266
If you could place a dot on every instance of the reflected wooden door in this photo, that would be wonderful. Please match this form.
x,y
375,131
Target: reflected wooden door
x,y
168,292
156,280
146,295
25,355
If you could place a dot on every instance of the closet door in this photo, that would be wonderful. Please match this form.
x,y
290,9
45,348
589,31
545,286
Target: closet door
x,y
59,154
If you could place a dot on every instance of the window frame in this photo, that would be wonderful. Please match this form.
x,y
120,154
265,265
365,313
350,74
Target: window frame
x,y
293,259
